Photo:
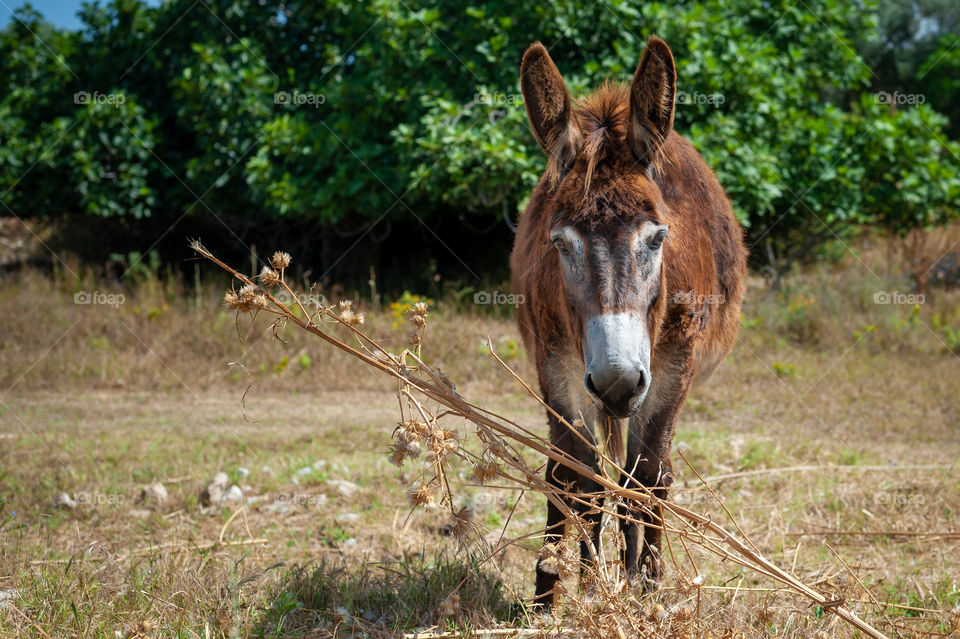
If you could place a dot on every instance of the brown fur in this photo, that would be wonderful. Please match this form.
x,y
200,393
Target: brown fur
x,y
617,164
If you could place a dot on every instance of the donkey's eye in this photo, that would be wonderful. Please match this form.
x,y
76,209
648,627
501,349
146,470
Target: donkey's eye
x,y
656,241
561,246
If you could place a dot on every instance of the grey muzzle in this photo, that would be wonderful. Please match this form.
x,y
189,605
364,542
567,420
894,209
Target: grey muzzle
x,y
616,352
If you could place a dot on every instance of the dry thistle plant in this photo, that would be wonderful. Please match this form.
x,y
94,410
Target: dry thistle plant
x,y
608,608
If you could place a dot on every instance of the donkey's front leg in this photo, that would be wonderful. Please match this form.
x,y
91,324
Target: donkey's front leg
x,y
648,465
569,481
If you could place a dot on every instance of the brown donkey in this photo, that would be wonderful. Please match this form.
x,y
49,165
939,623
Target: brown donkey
x,y
631,264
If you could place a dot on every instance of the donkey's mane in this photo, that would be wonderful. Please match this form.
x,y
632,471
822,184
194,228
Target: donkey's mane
x,y
603,119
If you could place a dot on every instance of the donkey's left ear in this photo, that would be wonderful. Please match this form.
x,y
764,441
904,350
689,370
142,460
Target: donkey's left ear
x,y
652,96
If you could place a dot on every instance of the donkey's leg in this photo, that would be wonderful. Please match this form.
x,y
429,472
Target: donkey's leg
x,y
568,480
632,521
655,472
547,577
648,465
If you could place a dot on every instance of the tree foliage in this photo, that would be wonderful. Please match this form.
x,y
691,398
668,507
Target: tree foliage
x,y
337,115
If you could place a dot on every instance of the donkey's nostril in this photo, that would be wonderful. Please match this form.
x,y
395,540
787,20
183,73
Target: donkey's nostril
x,y
641,385
588,382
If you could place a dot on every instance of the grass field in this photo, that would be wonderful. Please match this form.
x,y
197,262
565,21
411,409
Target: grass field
x,y
832,434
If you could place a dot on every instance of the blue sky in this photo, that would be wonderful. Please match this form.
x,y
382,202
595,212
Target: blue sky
x,y
62,13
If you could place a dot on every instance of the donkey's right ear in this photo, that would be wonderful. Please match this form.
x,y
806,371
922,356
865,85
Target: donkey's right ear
x,y
548,107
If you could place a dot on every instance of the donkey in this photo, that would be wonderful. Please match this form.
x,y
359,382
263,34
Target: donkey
x,y
631,263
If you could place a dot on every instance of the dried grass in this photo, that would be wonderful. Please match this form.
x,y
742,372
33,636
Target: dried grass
x,y
610,609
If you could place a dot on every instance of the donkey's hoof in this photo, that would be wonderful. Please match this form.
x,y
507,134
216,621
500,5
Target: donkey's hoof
x,y
651,570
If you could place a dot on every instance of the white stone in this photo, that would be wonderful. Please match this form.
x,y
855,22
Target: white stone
x,y
348,518
154,492
64,500
234,494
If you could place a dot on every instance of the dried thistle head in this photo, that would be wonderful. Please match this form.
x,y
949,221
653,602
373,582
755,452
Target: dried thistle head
x,y
347,316
495,449
442,443
397,456
244,300
247,293
559,557
414,338
269,277
345,305
418,320
280,260
421,495
484,471
403,449
231,300
462,523
412,430
420,309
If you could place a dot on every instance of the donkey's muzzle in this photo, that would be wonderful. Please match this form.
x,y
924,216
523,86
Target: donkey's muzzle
x,y
617,358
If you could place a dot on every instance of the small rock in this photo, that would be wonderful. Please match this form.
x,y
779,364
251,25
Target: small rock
x,y
234,494
212,495
253,499
243,472
306,470
140,513
348,518
343,487
277,508
320,464
246,488
7,597
350,542
64,500
154,492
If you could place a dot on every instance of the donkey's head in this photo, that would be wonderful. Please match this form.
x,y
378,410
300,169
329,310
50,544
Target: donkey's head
x,y
607,214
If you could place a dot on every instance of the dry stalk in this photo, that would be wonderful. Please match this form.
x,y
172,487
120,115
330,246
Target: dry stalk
x,y
611,611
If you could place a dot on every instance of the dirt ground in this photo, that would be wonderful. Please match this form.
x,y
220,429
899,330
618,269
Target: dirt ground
x,y
837,454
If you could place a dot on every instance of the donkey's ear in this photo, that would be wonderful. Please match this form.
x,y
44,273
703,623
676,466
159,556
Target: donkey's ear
x,y
548,108
652,95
